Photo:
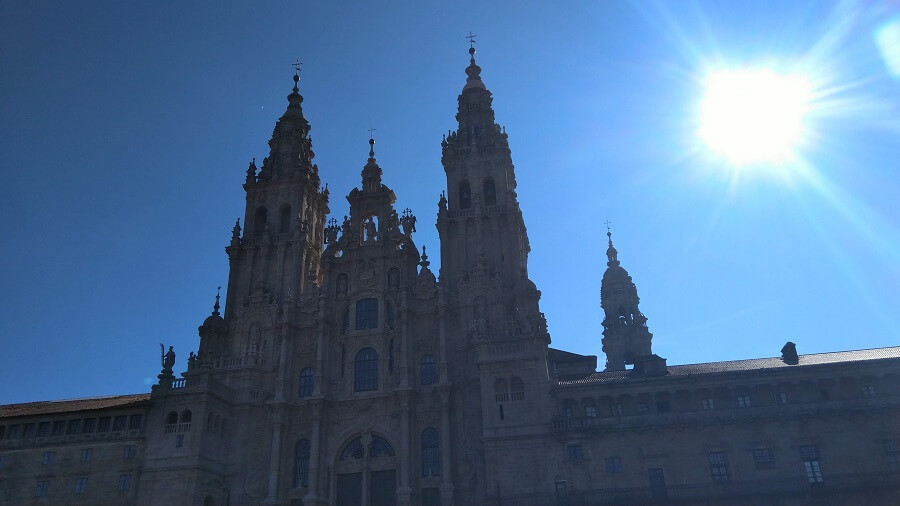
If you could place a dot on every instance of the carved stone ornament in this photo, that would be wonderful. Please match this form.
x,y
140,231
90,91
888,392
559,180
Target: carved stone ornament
x,y
426,285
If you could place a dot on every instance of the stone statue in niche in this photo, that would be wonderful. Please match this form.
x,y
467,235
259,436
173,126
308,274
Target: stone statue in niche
x,y
370,230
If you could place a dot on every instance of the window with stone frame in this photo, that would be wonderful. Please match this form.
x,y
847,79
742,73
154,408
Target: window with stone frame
x,y
869,391
892,450
427,370
103,424
47,458
366,370
124,482
613,465
43,429
516,389
80,485
119,422
781,398
743,401
590,411
74,427
59,427
763,458
367,314
707,403
465,195
615,409
809,454
307,382
43,487
501,390
86,454
489,191
30,430
302,452
642,408
431,453
718,466
135,421
89,426
574,452
128,452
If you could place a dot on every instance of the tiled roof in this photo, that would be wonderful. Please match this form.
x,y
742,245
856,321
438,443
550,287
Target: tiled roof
x,y
753,364
72,405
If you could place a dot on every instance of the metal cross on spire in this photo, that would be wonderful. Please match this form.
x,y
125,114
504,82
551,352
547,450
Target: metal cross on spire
x,y
296,66
471,38
372,133
608,223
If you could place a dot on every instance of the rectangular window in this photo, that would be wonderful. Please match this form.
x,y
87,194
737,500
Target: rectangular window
x,y
590,411
707,404
103,424
89,426
179,441
86,454
80,485
718,466
615,409
867,391
574,452
43,429
663,406
59,427
367,314
48,457
763,458
781,398
30,430
642,408
119,422
135,421
892,449
74,427
613,465
128,454
810,456
567,411
15,431
743,401
124,482
42,487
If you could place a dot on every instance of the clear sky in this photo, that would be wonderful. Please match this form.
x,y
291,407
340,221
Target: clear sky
x,y
126,129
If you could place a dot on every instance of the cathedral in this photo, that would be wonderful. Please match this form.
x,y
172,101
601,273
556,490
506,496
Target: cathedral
x,y
346,369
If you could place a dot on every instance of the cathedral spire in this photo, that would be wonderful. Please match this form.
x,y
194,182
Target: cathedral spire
x,y
371,173
612,254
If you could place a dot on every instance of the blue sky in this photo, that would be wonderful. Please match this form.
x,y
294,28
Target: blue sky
x,y
126,128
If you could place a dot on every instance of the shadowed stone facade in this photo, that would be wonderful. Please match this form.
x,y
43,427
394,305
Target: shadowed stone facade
x,y
344,371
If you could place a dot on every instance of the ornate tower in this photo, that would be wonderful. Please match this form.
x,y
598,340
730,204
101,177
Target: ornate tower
x,y
284,219
480,224
625,333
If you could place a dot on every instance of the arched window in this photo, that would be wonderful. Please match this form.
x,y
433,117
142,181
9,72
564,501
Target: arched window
x,y
366,314
501,390
343,283
366,370
284,219
307,382
393,278
301,463
380,448
353,450
186,416
431,453
465,195
489,192
172,418
427,370
259,221
516,389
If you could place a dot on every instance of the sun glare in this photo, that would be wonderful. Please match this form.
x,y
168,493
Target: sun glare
x,y
754,116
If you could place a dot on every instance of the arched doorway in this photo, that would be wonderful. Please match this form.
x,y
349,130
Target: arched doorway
x,y
366,473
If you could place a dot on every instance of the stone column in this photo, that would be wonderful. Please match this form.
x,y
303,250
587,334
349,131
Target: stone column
x,y
446,466
282,366
275,456
404,491
442,338
315,464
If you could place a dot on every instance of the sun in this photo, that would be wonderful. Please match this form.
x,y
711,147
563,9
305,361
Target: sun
x,y
754,116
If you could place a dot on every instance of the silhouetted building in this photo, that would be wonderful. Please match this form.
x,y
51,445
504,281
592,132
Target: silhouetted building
x,y
343,371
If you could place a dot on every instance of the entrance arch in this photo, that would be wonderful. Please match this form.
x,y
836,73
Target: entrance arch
x,y
366,472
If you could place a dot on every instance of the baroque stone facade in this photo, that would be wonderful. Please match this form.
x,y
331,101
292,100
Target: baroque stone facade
x,y
344,371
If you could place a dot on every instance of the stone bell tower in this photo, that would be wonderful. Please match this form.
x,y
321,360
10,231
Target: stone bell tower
x,y
483,235
284,220
625,333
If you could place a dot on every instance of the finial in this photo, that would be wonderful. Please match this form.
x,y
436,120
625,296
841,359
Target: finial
x,y
216,305
371,143
471,38
611,254
297,74
424,263
608,231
